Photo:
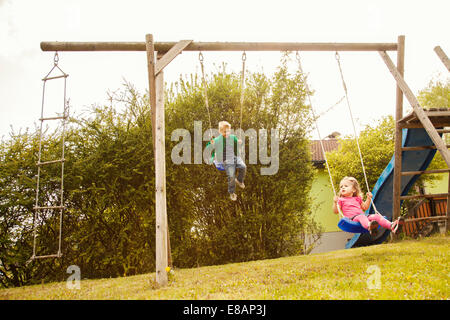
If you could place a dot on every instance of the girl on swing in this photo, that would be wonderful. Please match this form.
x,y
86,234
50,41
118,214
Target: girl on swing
x,y
351,203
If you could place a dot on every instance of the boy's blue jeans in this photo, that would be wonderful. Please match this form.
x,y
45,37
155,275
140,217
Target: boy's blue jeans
x,y
230,169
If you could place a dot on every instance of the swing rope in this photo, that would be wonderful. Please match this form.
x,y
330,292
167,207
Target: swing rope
x,y
308,94
338,59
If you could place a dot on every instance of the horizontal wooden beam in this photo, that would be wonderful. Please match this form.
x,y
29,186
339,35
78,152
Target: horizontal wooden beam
x,y
413,173
418,148
436,123
427,218
218,46
426,196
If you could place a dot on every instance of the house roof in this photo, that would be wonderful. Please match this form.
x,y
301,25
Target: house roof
x,y
316,150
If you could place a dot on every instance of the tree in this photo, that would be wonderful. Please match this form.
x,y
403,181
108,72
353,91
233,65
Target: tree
x,y
435,95
377,148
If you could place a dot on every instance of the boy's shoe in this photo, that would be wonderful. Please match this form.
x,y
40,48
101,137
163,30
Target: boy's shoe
x,y
240,184
397,225
373,226
233,196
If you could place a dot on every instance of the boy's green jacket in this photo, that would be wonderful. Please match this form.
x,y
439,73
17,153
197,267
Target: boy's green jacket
x,y
219,151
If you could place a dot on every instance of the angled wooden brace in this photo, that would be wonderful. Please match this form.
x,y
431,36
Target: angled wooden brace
x,y
428,126
441,54
170,55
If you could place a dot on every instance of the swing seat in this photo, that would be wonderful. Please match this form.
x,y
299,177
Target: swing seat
x,y
348,225
219,166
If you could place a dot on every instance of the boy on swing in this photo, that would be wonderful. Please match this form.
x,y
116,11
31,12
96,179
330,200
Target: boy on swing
x,y
226,151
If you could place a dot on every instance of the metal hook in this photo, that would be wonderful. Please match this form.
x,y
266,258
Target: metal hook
x,y
338,57
56,58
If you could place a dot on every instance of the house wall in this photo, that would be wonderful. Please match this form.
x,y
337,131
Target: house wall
x,y
331,241
322,195
322,198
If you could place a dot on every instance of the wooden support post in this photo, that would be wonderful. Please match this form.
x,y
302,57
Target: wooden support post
x,y
159,57
151,65
441,54
448,206
160,181
156,92
421,115
398,132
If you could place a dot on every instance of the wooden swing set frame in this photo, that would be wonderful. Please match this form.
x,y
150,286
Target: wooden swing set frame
x,y
160,54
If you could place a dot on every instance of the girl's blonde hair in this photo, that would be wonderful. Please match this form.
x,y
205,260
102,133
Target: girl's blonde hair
x,y
223,124
355,185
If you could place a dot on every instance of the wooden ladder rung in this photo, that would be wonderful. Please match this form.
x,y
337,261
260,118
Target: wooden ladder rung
x,y
53,118
50,162
413,173
417,196
428,218
49,207
421,148
443,130
56,77
58,255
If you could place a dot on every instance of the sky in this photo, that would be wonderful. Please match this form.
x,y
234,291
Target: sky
x,y
371,88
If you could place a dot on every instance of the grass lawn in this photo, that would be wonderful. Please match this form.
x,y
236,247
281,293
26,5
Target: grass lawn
x,y
409,269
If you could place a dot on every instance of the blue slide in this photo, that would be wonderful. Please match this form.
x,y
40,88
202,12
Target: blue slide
x,y
382,192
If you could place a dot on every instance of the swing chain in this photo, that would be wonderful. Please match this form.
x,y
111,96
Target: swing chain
x,y
205,92
244,58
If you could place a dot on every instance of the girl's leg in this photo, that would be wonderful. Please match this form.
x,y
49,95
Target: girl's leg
x,y
382,221
362,219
